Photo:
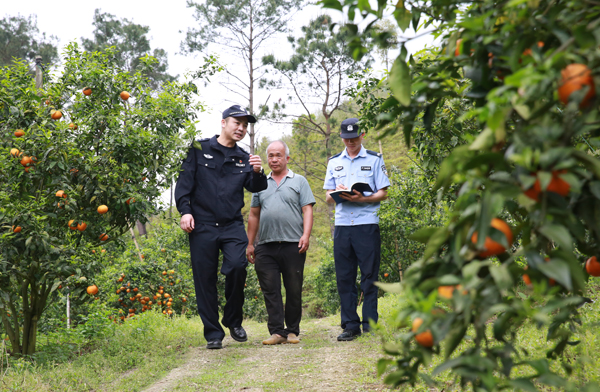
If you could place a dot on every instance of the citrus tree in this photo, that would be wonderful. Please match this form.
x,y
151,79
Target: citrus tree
x,y
81,159
528,186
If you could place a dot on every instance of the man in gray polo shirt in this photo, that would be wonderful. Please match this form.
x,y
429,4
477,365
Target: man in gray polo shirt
x,y
282,216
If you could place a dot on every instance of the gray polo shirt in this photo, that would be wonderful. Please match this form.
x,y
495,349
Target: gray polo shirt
x,y
281,208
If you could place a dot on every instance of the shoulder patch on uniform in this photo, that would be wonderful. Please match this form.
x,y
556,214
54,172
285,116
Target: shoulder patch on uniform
x,y
374,153
335,156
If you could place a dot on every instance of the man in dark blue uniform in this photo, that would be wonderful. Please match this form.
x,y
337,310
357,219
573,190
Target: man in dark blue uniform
x,y
210,195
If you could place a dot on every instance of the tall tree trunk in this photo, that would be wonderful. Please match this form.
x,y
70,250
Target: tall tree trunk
x,y
251,131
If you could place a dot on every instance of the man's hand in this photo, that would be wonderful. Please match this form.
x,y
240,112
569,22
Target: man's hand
x,y
303,244
250,253
356,197
187,223
256,162
340,187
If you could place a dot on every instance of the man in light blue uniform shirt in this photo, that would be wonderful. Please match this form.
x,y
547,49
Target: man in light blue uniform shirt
x,y
356,239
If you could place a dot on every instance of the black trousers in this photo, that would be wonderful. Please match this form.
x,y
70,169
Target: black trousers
x,y
276,260
357,246
205,243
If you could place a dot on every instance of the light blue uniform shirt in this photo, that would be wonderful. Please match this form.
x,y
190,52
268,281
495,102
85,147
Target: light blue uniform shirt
x,y
365,167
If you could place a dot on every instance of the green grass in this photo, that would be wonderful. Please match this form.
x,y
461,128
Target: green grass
x,y
128,357
137,354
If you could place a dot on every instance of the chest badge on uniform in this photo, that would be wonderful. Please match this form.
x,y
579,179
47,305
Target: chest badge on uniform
x,y
338,168
240,164
365,168
208,156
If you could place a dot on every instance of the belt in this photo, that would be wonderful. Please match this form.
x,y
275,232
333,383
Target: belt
x,y
218,223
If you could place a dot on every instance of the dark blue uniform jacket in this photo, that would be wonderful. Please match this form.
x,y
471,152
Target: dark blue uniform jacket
x,y
211,182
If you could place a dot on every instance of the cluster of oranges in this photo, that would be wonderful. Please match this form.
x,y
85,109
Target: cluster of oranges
x,y
574,77
131,299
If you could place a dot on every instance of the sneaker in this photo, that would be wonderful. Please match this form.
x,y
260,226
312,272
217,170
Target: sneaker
x,y
348,334
293,339
275,339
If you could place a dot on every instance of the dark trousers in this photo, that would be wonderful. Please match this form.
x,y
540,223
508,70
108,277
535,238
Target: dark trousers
x,y
357,246
276,260
205,243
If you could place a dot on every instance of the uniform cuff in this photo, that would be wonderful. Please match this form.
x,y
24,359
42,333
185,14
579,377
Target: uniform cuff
x,y
185,211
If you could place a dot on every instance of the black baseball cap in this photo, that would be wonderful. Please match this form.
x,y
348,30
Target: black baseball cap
x,y
238,111
350,128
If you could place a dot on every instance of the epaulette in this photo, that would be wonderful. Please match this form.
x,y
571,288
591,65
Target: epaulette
x,y
196,143
374,153
335,156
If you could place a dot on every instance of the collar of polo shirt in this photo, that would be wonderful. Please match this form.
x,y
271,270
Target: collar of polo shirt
x,y
289,174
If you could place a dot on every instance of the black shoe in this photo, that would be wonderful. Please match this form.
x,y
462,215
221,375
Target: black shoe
x,y
348,334
214,344
238,334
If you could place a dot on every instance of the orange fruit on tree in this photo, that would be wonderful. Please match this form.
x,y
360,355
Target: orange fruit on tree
x,y
17,229
592,266
130,200
19,133
574,78
527,52
26,160
103,237
92,290
61,194
56,115
446,291
124,95
15,152
527,279
103,251
164,272
27,169
82,226
73,126
71,225
87,91
102,209
558,185
425,339
457,50
491,247
163,250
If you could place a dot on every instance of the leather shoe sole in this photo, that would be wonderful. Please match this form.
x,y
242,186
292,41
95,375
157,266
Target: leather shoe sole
x,y
214,345
238,334
348,335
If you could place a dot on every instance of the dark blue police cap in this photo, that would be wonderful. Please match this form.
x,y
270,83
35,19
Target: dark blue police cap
x,y
238,111
350,128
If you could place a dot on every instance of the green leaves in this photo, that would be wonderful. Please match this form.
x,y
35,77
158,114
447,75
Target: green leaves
x,y
399,80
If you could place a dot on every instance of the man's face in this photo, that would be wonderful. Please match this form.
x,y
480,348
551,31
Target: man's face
x,y
276,158
234,128
353,144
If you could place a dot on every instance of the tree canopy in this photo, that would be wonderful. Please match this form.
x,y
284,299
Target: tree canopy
x,y
132,44
20,38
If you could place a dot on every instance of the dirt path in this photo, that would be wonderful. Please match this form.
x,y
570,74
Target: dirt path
x,y
318,363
